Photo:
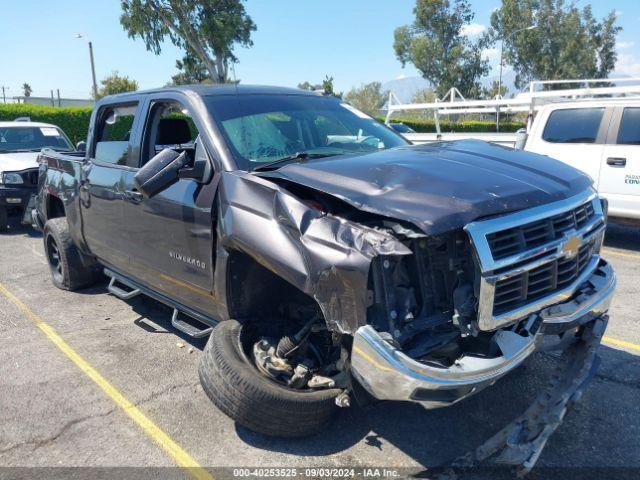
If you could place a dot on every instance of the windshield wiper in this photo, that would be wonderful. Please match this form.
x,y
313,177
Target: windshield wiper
x,y
299,156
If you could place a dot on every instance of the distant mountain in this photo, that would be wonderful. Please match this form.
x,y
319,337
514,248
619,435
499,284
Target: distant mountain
x,y
405,88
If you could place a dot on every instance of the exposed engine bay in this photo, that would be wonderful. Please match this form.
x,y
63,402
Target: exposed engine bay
x,y
427,301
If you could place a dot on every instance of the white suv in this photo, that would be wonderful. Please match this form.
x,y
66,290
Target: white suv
x,y
601,138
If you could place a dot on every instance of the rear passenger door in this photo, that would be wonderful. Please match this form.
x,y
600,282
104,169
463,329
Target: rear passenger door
x,y
111,152
576,137
620,171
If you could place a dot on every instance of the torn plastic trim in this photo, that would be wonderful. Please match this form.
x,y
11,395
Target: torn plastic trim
x,y
520,444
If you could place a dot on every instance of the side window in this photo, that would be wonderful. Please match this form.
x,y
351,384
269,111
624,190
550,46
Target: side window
x,y
573,125
113,133
169,126
629,132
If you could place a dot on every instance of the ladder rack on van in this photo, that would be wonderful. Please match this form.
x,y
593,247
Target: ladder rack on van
x,y
454,103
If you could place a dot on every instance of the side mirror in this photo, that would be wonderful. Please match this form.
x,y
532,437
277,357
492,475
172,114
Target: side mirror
x,y
160,172
81,146
521,139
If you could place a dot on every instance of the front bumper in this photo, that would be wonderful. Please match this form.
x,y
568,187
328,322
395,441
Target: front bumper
x,y
389,374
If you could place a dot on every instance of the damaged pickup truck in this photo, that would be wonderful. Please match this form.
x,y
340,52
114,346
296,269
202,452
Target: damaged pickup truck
x,y
328,259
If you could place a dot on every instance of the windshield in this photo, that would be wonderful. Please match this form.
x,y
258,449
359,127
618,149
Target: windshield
x,y
32,139
262,129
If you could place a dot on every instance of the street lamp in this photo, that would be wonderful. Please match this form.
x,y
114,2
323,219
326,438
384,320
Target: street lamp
x,y
93,66
531,27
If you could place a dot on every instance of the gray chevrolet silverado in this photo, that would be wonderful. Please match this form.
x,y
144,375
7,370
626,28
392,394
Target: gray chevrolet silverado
x,y
328,260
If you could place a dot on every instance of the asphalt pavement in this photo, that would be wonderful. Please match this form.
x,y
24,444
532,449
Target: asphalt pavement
x,y
53,413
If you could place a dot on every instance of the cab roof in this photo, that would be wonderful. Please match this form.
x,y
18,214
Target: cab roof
x,y
26,124
220,89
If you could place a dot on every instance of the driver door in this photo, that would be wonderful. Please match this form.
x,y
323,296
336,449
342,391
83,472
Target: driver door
x,y
171,236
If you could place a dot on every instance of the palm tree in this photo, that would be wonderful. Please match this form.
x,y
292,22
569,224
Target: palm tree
x,y
26,88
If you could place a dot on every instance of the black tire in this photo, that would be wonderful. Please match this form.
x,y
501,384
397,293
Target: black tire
x,y
4,220
68,272
234,384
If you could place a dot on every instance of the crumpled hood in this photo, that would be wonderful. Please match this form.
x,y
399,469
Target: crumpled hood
x,y
441,186
15,162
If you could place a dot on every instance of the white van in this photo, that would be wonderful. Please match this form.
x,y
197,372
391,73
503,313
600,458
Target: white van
x,y
601,138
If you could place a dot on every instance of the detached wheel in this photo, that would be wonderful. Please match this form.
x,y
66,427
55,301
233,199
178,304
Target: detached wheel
x,y
4,220
232,381
68,272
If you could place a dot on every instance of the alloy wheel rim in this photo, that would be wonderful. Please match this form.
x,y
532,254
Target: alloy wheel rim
x,y
53,254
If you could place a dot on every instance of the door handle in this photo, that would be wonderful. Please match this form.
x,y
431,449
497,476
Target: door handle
x,y
616,161
133,196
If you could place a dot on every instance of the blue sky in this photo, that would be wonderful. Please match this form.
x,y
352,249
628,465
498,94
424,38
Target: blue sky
x,y
295,41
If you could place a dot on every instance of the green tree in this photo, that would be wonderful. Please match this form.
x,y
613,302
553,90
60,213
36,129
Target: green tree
x,y
435,45
206,29
425,95
308,86
326,85
491,92
26,89
116,83
191,70
368,97
567,42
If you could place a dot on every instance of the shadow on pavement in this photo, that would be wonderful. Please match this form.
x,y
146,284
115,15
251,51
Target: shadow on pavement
x,y
16,229
623,237
434,437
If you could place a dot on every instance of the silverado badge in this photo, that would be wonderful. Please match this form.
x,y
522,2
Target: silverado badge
x,y
188,260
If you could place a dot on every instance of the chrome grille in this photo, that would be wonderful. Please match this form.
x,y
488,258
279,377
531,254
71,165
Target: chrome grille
x,y
531,285
512,241
535,258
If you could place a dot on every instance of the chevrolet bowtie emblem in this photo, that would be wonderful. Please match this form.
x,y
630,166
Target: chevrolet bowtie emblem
x,y
571,245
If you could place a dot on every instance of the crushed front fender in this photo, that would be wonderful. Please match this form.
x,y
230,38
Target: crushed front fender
x,y
325,256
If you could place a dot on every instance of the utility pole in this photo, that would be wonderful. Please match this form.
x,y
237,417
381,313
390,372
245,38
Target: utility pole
x,y
93,72
93,65
58,93
4,98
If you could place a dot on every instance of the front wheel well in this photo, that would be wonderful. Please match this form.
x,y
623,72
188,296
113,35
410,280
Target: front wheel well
x,y
255,293
55,207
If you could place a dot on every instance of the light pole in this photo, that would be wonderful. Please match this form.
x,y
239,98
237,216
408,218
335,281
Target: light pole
x,y
93,66
531,27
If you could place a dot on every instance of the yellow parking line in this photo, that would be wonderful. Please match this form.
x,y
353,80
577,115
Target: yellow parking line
x,y
175,451
615,253
621,343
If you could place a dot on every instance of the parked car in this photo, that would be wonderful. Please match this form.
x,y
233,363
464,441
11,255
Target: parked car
x,y
401,127
326,258
20,143
601,138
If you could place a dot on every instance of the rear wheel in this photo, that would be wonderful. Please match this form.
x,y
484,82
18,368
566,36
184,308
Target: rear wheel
x,y
232,381
68,271
4,221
